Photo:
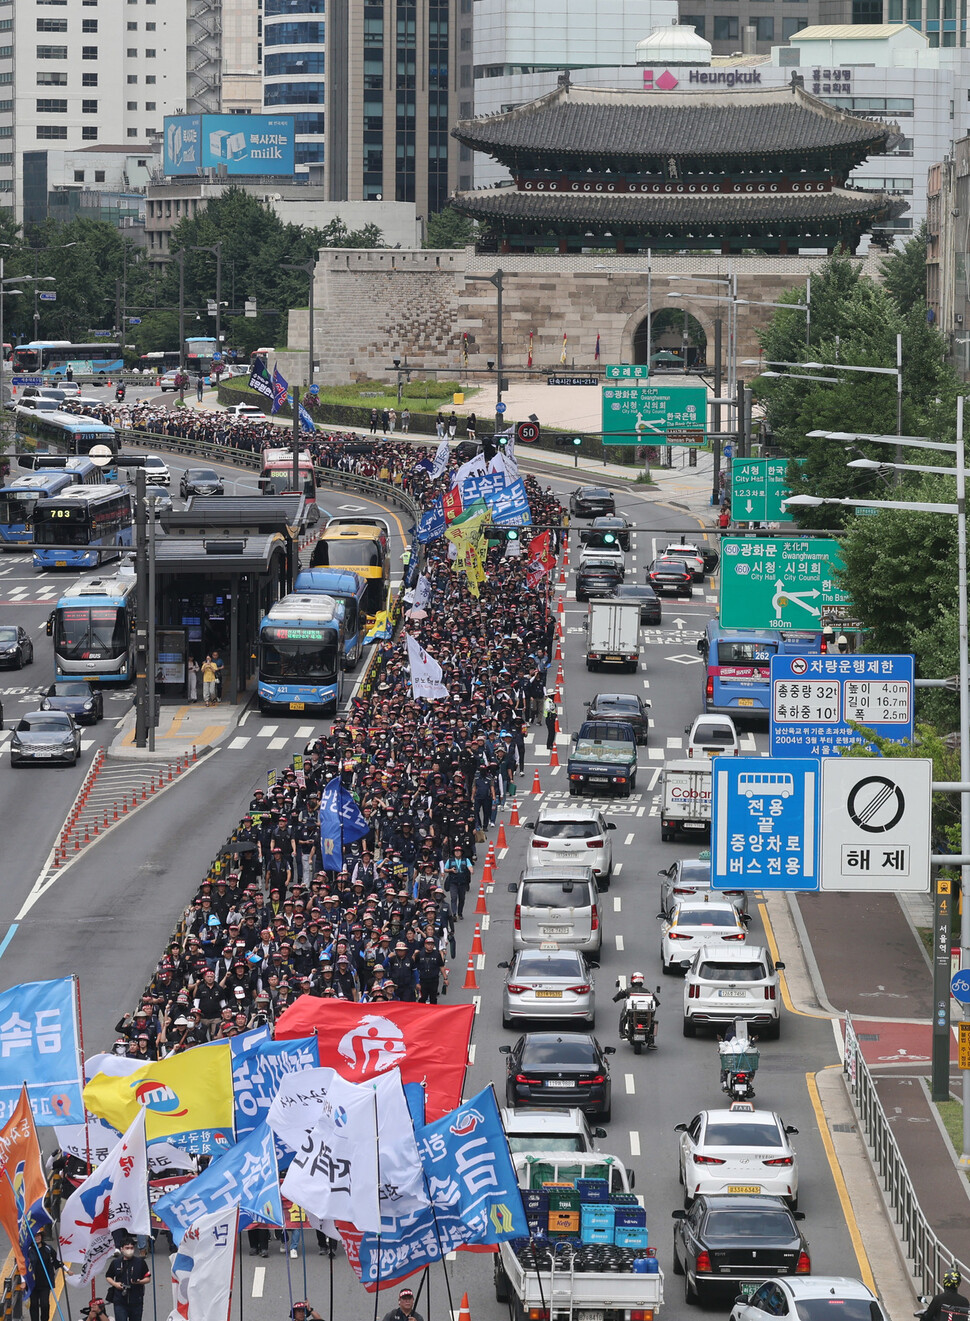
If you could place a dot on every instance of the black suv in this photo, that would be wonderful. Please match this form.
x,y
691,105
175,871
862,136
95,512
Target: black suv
x,y
597,580
590,501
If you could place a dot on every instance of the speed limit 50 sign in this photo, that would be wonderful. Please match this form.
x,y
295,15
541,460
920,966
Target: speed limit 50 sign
x,y
527,432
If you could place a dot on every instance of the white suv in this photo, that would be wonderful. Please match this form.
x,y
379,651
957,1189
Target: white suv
x,y
723,984
157,471
712,736
574,837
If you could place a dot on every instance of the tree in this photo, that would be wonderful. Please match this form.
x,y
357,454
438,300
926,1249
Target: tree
x,y
904,272
448,229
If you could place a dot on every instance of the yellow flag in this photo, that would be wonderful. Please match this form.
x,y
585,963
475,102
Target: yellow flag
x,y
187,1093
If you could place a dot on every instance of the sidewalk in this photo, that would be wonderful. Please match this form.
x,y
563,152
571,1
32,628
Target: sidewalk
x,y
182,730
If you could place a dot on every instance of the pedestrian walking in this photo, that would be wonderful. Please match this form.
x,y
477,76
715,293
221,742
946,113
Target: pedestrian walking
x,y
193,679
392,420
374,419
199,387
440,425
405,1308
44,1265
549,716
405,420
471,425
432,971
210,673
128,1276
452,425
385,420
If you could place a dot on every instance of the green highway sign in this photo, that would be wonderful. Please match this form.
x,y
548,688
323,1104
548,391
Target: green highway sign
x,y
626,371
784,583
636,414
758,487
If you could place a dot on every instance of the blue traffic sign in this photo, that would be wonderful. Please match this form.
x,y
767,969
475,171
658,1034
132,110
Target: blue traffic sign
x,y
134,321
960,986
815,701
28,380
47,296
764,828
500,408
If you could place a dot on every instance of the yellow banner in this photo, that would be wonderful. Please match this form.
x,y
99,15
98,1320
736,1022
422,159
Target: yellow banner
x,y
183,1094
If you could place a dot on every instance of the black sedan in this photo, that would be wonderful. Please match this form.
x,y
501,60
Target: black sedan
x,y
591,501
16,647
200,481
561,1069
84,703
671,576
622,706
45,736
611,530
727,1244
649,601
597,580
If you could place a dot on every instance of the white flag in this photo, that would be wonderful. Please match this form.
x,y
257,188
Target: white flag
x,y
202,1269
440,460
422,592
475,467
361,1161
425,673
298,1105
114,1196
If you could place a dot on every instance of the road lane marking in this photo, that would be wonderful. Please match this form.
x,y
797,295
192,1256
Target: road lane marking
x,y
619,944
617,901
617,869
471,1055
259,1279
629,839
275,744
266,731
239,742
634,1142
631,1087
858,1246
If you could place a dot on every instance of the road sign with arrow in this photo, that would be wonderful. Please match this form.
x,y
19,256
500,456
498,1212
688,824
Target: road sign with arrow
x,y
782,583
758,487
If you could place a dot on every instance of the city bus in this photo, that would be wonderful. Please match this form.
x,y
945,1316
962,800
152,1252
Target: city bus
x,y
69,526
738,665
56,355
72,433
199,350
276,478
361,549
93,625
161,361
351,590
50,478
301,647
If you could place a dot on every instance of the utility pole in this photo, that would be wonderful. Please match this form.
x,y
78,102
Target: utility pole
x,y
715,493
180,258
310,268
497,279
142,622
295,442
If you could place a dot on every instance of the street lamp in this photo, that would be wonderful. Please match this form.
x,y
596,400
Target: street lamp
x,y
496,280
896,371
959,509
57,247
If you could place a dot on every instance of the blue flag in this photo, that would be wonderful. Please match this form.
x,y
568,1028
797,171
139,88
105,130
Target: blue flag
x,y
39,1047
306,421
32,1220
247,1174
256,1073
280,391
259,378
341,822
469,1172
432,523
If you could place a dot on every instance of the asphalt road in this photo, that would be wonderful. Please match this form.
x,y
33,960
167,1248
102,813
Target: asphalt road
x,y
108,919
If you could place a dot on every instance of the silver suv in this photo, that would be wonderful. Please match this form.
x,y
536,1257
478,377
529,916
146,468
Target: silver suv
x,y
558,904
723,984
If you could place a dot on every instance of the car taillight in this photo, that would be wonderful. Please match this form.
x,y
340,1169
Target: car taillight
x,y
769,993
594,921
538,1314
595,1081
540,843
517,920
708,1160
780,1160
709,690
594,843
804,1266
641,1314
690,752
703,1263
583,989
693,992
677,935
514,989
528,1082
737,935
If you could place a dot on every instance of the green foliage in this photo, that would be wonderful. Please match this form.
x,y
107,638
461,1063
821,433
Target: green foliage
x,y
447,229
904,272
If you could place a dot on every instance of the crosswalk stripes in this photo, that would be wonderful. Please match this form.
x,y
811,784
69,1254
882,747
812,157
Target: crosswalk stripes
x,y
277,737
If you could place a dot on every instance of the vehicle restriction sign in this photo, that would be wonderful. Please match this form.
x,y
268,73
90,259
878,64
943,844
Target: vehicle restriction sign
x,y
818,702
875,831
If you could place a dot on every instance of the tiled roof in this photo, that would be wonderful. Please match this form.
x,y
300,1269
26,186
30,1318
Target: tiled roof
x,y
584,122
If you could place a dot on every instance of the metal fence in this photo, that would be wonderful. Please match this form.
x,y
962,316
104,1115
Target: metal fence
x,y
930,1257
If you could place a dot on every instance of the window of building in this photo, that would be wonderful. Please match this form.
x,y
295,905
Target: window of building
x,y
5,107
89,80
6,52
273,8
764,28
294,34
89,52
132,27
6,130
149,78
895,11
696,21
132,53
309,153
51,78
131,105
150,53
79,176
149,27
45,52
52,25
99,176
132,79
89,107
789,26
89,25
276,94
89,133
310,123
51,132
725,29
48,105
6,157
133,133
149,105
295,62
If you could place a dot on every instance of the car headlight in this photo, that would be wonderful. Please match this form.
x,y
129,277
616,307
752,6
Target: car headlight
x,y
45,704
88,705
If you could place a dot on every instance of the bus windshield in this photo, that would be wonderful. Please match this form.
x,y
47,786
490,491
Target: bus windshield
x,y
348,554
279,481
738,651
18,507
85,631
316,661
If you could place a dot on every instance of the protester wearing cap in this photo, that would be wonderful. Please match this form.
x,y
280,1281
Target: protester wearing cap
x,y
405,1308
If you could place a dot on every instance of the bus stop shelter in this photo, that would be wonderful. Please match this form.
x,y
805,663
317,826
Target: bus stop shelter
x,y
233,516
210,595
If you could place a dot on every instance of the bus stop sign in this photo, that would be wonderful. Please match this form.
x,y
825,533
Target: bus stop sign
x,y
100,455
765,823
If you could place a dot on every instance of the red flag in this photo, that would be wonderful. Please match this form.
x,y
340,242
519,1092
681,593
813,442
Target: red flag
x,y
529,363
429,1043
452,505
22,1181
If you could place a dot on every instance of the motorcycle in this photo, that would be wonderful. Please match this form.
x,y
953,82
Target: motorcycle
x,y
120,394
739,1058
638,1020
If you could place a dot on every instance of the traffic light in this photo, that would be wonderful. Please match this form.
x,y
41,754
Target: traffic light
x,y
577,440
608,539
512,534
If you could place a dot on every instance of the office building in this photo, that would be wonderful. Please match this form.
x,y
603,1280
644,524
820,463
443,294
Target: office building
x,y
242,48
294,59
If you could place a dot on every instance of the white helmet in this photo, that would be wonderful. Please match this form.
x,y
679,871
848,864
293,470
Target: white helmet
x,y
636,979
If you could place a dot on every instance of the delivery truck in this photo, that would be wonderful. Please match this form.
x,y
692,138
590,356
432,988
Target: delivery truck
x,y
685,800
613,634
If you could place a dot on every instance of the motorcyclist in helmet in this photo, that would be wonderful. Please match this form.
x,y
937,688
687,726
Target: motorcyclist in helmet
x,y
637,986
949,1301
120,392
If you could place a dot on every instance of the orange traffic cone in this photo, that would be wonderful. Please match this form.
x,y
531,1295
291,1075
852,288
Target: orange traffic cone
x,y
562,574
558,730
557,695
560,608
560,677
487,877
514,818
477,946
464,1313
558,651
536,786
480,907
502,841
490,860
470,982
554,756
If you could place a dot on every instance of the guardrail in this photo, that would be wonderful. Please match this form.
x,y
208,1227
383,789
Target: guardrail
x,y
929,1256
329,477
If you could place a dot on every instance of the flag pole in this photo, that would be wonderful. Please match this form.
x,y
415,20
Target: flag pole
x,y
377,1150
29,1228
151,1244
239,1259
80,1042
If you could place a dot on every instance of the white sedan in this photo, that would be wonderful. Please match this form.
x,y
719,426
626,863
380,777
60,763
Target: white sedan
x,y
738,1150
696,923
833,1297
244,410
692,557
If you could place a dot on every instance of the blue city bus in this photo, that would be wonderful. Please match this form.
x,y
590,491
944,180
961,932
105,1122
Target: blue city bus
x,y
69,525
738,665
72,433
351,590
94,630
53,474
200,353
300,653
56,355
